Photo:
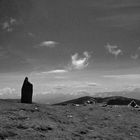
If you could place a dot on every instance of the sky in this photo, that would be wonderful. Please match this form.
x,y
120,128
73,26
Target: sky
x,y
69,46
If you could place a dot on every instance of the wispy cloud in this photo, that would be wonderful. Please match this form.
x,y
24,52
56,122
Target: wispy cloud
x,y
60,77
9,24
122,20
127,76
31,34
114,4
54,71
49,44
92,84
79,62
136,55
114,50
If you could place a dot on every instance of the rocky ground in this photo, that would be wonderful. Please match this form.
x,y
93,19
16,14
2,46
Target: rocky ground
x,y
45,122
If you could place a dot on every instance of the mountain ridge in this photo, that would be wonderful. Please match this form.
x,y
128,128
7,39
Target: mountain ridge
x,y
113,100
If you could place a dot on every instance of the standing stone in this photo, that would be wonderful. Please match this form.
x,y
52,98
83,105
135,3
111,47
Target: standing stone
x,y
26,92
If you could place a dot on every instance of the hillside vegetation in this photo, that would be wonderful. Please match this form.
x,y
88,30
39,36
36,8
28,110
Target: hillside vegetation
x,y
58,122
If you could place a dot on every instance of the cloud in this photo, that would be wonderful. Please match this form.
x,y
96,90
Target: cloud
x,y
9,24
55,71
114,4
136,55
92,84
61,77
79,62
7,90
76,63
31,34
49,44
9,93
114,50
122,20
127,76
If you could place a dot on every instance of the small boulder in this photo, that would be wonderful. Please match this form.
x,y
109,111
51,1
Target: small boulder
x,y
90,101
133,104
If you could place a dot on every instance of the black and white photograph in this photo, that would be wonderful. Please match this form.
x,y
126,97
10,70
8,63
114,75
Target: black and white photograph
x,y
69,69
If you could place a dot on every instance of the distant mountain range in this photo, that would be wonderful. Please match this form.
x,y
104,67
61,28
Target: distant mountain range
x,y
60,97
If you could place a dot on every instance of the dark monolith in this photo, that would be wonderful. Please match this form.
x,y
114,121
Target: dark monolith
x,y
26,92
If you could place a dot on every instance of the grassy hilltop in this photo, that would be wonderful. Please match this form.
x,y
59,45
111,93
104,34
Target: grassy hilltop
x,y
58,122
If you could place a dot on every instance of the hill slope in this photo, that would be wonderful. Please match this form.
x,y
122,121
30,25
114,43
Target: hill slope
x,y
113,100
92,122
